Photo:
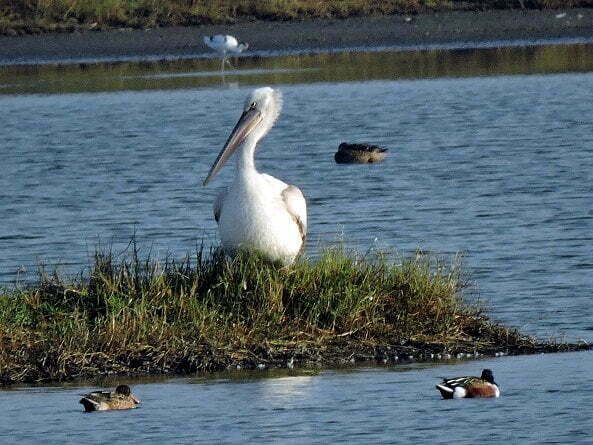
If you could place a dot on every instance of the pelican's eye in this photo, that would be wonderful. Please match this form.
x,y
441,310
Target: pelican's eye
x,y
252,106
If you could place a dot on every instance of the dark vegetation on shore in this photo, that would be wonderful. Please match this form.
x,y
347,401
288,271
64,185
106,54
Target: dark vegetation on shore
x,y
36,16
132,316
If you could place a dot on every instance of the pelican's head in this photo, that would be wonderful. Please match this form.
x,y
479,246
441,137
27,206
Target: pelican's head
x,y
242,46
268,103
261,110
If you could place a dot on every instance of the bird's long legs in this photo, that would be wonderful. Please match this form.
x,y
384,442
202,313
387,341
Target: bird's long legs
x,y
223,62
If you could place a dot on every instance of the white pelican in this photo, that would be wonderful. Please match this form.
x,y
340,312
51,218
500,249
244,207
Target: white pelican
x,y
224,44
257,211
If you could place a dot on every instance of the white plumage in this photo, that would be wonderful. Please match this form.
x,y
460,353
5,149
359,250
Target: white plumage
x,y
225,44
257,211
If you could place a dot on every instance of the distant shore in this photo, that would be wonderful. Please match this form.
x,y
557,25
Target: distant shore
x,y
304,36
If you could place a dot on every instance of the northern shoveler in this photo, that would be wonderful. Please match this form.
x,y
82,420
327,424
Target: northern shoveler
x,y
121,398
460,387
359,153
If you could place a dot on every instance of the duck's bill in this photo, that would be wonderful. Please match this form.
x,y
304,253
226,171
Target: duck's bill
x,y
247,122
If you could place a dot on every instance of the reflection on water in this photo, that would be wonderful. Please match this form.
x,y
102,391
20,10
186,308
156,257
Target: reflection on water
x,y
226,73
337,67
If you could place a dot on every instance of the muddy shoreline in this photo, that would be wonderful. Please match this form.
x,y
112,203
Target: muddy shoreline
x,y
423,30
205,358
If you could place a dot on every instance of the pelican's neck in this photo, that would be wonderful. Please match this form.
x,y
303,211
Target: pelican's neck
x,y
246,157
246,153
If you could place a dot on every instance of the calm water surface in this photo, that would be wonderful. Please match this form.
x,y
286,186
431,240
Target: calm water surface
x,y
494,160
540,403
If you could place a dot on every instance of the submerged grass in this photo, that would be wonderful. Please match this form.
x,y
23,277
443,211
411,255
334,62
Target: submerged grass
x,y
134,316
31,16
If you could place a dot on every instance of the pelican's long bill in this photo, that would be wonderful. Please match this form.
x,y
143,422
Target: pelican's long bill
x,y
247,122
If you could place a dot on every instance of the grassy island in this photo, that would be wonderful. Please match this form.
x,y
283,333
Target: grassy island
x,y
133,316
35,16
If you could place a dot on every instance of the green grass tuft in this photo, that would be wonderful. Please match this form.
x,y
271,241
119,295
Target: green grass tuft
x,y
142,316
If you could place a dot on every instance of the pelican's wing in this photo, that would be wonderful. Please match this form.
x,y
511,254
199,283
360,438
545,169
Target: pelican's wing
x,y
293,200
218,203
297,206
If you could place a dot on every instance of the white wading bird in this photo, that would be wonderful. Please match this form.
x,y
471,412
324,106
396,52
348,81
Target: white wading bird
x,y
223,45
257,211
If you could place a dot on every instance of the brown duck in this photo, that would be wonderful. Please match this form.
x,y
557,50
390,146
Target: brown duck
x,y
359,153
121,398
